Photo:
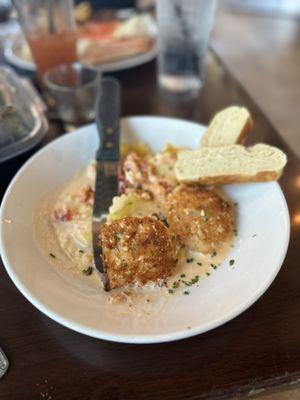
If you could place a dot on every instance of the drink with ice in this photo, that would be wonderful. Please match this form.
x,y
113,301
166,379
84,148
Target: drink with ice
x,y
184,28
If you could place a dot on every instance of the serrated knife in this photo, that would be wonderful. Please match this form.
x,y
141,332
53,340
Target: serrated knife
x,y
3,363
107,163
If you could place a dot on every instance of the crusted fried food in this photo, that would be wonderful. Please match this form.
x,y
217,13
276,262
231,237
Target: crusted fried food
x,y
201,217
137,250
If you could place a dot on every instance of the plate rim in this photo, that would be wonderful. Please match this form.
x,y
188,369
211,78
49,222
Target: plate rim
x,y
129,338
114,66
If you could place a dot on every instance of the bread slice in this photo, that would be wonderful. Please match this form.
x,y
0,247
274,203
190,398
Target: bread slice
x,y
230,164
229,126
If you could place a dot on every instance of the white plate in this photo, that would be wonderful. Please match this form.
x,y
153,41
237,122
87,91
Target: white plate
x,y
262,211
15,59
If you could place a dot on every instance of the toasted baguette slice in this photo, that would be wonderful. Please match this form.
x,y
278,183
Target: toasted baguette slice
x,y
229,126
230,164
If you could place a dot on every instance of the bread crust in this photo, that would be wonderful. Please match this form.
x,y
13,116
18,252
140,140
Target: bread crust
x,y
247,128
262,176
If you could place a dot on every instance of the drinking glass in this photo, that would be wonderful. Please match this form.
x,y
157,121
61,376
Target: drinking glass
x,y
74,89
184,29
49,27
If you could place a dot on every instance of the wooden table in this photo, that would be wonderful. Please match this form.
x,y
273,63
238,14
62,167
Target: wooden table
x,y
256,352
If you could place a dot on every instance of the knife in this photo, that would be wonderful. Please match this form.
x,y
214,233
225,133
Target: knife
x,y
3,363
107,158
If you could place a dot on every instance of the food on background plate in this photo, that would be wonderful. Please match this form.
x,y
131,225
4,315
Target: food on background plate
x,y
105,41
83,12
100,52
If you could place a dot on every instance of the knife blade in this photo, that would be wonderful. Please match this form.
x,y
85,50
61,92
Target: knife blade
x,y
107,163
3,363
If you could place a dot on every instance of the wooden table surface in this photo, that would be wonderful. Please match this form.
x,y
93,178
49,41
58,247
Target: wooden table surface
x,y
257,351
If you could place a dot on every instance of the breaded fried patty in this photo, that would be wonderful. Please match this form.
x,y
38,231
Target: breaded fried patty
x,y
201,217
137,249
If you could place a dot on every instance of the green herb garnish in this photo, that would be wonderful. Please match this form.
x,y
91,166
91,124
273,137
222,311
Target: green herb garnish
x,y
171,291
192,281
81,251
52,255
213,254
255,234
199,263
189,260
186,292
165,221
214,266
235,231
231,262
161,218
207,273
182,275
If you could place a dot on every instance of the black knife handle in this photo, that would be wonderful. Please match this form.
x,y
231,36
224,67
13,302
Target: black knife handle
x,y
107,120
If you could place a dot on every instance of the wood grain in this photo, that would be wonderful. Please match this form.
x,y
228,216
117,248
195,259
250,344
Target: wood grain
x,y
259,350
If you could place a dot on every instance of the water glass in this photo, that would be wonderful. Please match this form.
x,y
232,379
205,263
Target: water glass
x,y
184,29
74,89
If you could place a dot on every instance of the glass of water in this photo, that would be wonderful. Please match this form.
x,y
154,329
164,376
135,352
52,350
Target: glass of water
x,y
184,29
74,89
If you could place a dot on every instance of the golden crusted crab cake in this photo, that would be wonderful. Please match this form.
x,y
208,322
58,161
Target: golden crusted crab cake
x,y
201,217
137,250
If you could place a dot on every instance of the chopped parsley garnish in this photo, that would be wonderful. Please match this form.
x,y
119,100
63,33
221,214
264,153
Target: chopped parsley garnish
x,y
255,234
192,281
199,263
175,285
165,221
52,255
88,271
207,273
214,266
81,251
235,231
189,260
231,262
186,292
213,254
161,218
182,275
171,291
